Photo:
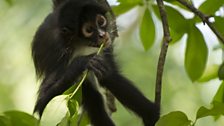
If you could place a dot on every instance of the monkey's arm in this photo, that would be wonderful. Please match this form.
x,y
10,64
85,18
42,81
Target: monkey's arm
x,y
126,92
132,98
56,83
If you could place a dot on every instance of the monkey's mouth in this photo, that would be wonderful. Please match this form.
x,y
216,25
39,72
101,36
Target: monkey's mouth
x,y
95,44
104,40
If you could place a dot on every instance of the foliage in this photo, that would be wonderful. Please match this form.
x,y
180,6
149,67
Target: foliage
x,y
17,118
196,58
9,2
196,51
178,118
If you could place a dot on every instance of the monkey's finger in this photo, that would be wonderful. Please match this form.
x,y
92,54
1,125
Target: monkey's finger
x,y
99,61
101,66
96,71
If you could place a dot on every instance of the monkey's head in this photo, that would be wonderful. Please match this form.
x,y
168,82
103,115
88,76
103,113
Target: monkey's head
x,y
83,22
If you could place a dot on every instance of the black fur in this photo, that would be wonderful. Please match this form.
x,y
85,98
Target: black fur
x,y
53,49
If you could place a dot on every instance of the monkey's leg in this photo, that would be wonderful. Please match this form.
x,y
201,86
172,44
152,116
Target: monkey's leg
x,y
132,98
94,104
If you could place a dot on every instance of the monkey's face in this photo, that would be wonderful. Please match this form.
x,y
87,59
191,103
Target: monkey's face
x,y
83,24
95,31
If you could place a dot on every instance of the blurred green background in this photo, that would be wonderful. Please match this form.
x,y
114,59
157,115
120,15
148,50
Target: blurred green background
x,y
18,84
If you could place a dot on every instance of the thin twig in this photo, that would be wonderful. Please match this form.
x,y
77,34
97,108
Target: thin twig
x,y
163,53
204,18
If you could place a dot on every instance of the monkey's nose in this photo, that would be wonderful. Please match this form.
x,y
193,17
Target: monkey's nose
x,y
102,34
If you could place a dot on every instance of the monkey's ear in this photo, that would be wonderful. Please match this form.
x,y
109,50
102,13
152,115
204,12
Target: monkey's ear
x,y
57,2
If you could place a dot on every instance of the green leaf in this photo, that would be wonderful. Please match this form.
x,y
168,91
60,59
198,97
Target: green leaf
x,y
219,96
209,7
147,30
70,90
74,102
82,119
125,5
221,72
196,54
219,24
78,96
4,121
177,22
174,119
210,73
18,118
73,107
9,2
176,36
215,111
75,120
65,121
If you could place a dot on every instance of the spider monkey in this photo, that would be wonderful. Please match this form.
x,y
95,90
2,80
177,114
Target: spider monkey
x,y
74,26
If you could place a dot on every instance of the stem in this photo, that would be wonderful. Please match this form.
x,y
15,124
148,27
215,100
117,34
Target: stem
x,y
163,53
80,84
85,73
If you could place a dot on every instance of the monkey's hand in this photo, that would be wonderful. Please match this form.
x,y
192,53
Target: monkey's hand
x,y
99,66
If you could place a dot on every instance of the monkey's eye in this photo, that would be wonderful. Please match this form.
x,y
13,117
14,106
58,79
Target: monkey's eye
x,y
101,20
87,30
65,30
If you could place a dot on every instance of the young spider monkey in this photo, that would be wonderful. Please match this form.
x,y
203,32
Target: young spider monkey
x,y
73,26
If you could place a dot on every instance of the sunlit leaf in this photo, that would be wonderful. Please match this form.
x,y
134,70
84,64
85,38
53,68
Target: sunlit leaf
x,y
18,118
65,121
118,10
147,30
196,54
221,72
219,96
216,110
174,119
125,5
210,73
209,7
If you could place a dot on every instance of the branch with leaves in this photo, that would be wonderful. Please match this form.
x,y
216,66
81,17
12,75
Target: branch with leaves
x,y
204,18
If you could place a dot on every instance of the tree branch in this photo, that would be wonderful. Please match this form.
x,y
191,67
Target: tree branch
x,y
163,53
204,18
